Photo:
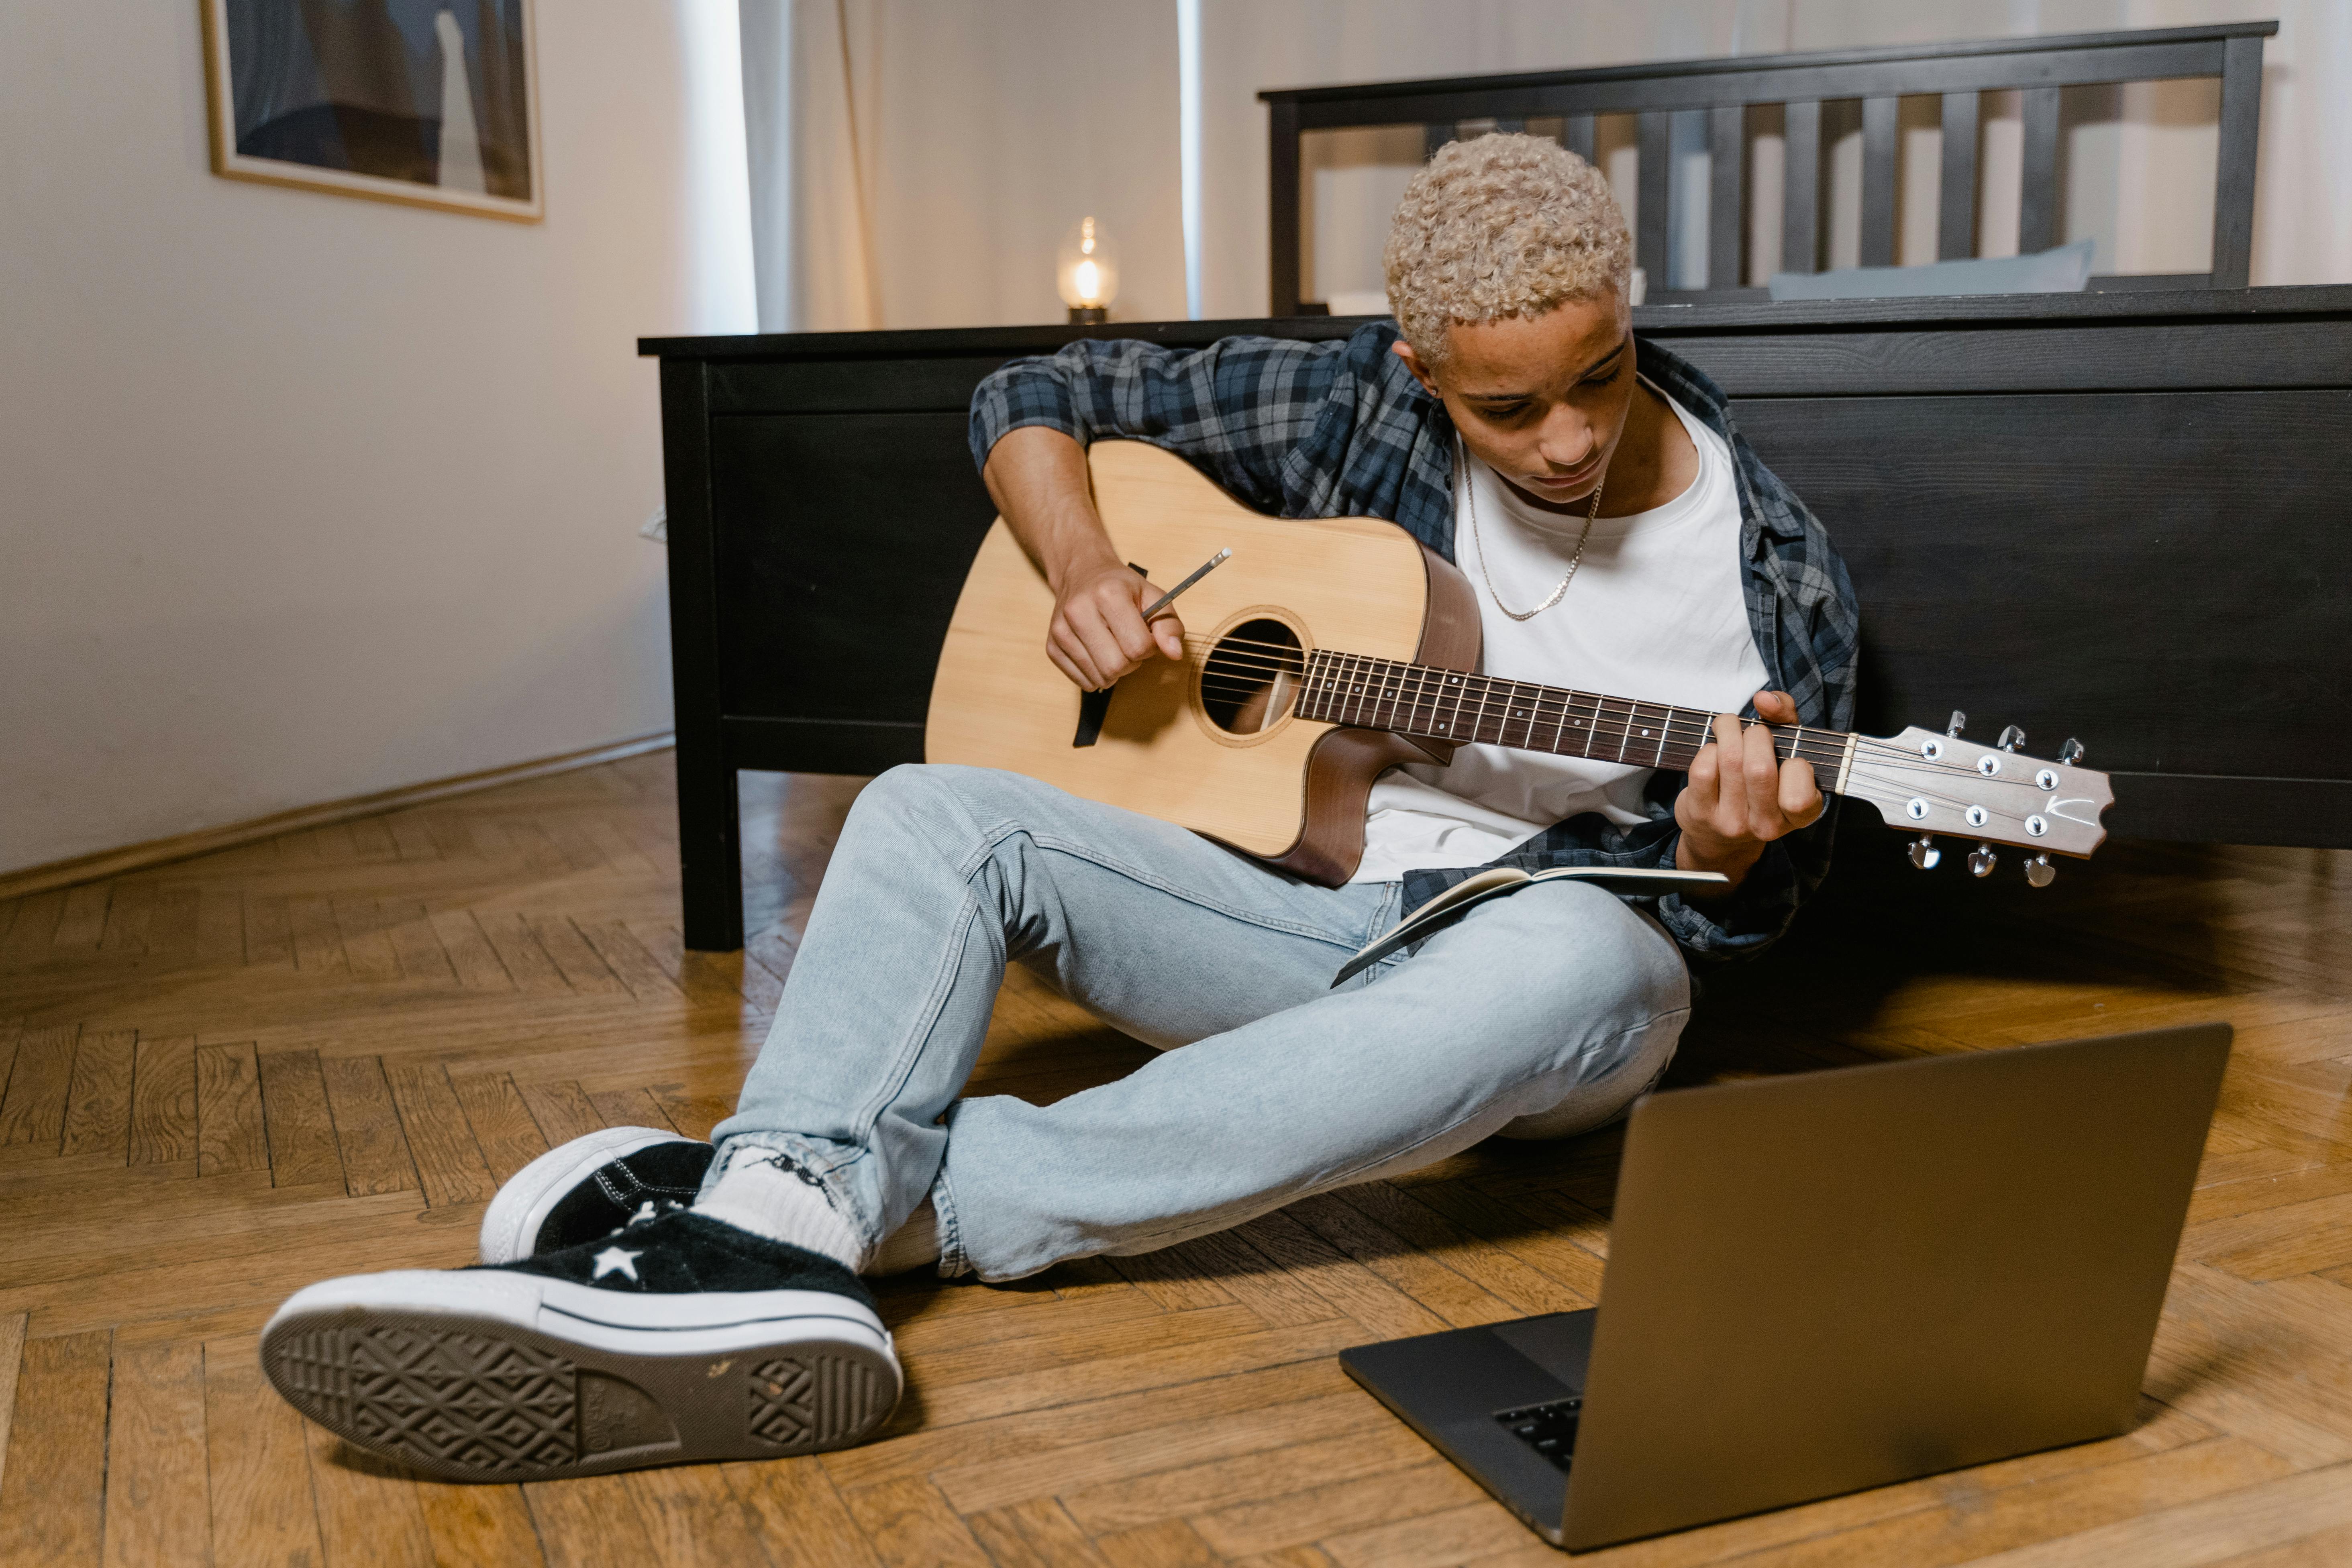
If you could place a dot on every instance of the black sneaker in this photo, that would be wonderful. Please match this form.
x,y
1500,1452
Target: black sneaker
x,y
589,1187
680,1339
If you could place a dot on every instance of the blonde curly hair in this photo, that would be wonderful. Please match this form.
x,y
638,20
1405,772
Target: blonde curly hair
x,y
1503,225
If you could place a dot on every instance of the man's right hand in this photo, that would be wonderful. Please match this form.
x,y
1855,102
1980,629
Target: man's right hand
x,y
1038,478
1099,632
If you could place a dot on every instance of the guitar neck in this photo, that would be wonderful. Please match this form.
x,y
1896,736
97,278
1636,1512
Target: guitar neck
x,y
1435,704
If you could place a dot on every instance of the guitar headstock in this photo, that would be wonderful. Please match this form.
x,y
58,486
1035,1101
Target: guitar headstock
x,y
1926,784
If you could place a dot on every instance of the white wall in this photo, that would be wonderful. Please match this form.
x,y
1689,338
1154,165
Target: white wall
x,y
303,496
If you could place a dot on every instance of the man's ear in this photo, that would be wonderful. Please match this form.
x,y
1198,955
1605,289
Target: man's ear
x,y
1403,351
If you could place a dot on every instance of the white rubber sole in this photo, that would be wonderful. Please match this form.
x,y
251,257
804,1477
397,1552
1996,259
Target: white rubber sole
x,y
510,1224
508,1377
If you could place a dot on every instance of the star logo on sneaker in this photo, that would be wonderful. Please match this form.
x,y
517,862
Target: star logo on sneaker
x,y
616,1260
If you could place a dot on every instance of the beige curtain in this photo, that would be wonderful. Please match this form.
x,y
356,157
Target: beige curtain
x,y
935,153
915,162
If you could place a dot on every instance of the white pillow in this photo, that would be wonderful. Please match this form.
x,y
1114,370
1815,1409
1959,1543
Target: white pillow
x,y
2065,270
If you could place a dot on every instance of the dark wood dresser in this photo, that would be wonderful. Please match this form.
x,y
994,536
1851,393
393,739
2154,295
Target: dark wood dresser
x,y
2118,516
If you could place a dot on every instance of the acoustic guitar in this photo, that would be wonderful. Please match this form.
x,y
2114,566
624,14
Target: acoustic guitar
x,y
1324,652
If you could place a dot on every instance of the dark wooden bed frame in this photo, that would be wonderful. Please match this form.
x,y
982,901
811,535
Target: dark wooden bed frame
x,y
2119,516
1735,100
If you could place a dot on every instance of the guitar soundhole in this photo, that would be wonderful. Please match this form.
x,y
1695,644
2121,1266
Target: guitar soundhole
x,y
1250,678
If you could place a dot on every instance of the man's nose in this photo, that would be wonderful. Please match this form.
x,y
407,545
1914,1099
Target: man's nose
x,y
1566,439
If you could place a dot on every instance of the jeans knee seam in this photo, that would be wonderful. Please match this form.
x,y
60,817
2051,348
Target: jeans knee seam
x,y
926,1023
952,1259
1643,1028
993,838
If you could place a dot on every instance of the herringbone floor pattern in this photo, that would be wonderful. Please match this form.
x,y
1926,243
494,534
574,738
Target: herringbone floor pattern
x,y
321,1053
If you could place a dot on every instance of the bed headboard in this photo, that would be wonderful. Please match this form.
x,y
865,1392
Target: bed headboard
x,y
1567,104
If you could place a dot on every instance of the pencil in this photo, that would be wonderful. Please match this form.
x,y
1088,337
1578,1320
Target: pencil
x,y
1199,571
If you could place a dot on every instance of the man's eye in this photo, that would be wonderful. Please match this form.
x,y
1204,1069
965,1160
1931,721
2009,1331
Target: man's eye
x,y
1504,410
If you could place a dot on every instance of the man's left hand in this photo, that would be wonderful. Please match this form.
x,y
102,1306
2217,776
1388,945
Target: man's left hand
x,y
1742,796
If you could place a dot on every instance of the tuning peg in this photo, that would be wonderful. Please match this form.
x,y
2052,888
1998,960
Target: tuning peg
x,y
1981,860
2071,752
2011,739
1924,853
2039,871
1958,722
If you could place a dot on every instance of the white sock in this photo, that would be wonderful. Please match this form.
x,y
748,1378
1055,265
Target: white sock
x,y
764,1193
914,1244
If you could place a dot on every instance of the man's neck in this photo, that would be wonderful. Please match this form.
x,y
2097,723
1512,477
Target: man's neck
x,y
1653,463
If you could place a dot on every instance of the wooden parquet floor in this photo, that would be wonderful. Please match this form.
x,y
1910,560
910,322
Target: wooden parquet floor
x,y
321,1053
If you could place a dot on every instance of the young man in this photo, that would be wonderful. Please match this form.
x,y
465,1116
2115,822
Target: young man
x,y
1621,537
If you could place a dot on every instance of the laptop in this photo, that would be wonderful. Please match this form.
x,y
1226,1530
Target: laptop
x,y
1837,1280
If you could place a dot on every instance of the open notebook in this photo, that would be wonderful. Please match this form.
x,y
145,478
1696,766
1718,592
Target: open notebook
x,y
1460,899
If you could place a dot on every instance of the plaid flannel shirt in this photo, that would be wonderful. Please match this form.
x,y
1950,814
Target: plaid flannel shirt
x,y
1341,428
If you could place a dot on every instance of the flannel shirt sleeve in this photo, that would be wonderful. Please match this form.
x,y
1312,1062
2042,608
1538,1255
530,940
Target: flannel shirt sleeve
x,y
1760,910
1238,409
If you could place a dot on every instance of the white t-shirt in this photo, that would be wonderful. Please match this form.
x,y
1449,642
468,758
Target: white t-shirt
x,y
1657,612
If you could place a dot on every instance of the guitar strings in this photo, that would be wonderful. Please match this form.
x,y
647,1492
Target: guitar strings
x,y
1687,735
1684,737
1681,739
1292,657
1550,705
1294,665
1400,687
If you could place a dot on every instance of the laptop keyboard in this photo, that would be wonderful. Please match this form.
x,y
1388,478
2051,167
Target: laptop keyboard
x,y
1548,1429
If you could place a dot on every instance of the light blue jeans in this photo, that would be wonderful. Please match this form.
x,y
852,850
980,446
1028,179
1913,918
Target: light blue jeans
x,y
1538,1015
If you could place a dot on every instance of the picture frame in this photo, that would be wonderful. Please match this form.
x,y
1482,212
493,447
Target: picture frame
x,y
348,96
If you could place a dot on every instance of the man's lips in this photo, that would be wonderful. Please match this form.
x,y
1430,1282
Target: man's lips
x,y
1570,481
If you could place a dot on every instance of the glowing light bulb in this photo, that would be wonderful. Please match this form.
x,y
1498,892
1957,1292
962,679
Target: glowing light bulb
x,y
1086,272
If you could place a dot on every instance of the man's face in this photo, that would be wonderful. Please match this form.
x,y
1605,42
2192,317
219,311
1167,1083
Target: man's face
x,y
1541,400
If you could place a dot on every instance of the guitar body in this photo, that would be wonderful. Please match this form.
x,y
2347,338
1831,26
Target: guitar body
x,y
1185,742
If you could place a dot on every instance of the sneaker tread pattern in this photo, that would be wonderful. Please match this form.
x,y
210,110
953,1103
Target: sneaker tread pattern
x,y
472,1400
808,1401
491,1407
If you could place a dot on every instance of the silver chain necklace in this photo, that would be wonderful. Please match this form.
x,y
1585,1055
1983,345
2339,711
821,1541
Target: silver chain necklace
x,y
1470,500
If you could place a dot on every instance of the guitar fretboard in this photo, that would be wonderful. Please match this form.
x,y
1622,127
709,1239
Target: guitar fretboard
x,y
1450,705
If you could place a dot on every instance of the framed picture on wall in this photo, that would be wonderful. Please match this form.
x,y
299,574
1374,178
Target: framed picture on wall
x,y
432,103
